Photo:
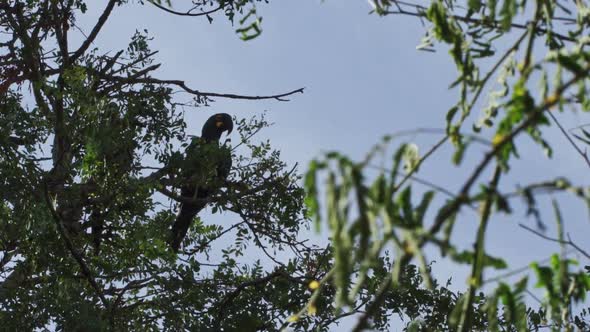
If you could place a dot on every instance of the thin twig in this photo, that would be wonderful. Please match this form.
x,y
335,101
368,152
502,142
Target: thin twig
x,y
421,13
202,246
533,296
548,238
442,131
408,175
231,296
181,84
582,153
534,116
422,182
513,272
188,12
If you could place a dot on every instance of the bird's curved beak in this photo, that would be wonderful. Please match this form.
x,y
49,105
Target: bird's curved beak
x,y
222,125
224,122
229,126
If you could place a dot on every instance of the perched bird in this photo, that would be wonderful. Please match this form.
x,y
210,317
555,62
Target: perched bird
x,y
205,168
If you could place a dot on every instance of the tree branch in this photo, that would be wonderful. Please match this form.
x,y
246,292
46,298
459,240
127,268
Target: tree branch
x,y
183,199
580,152
534,116
231,296
421,13
70,246
479,253
502,277
188,12
568,242
380,296
101,21
204,245
181,84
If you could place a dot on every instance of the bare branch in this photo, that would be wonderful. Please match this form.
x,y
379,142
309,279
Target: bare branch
x,y
111,62
101,21
188,12
181,84
133,63
582,153
568,242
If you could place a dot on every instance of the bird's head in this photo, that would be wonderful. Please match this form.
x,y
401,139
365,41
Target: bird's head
x,y
216,125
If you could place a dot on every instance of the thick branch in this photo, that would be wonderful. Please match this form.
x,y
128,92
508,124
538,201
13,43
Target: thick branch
x,y
101,21
61,32
182,199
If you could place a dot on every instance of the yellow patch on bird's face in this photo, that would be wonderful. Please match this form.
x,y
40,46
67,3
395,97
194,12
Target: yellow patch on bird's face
x,y
219,121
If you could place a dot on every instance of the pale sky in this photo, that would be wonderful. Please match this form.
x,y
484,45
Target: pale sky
x,y
364,79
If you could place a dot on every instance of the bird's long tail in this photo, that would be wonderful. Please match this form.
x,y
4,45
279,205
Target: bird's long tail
x,y
97,224
184,219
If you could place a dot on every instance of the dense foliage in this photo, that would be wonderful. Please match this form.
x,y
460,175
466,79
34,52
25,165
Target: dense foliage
x,y
92,144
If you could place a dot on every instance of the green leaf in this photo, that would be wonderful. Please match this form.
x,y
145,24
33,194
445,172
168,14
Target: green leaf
x,y
545,277
404,200
444,28
311,198
450,115
507,13
467,257
422,207
474,5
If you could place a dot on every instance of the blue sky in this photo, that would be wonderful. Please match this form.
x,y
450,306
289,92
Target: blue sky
x,y
363,79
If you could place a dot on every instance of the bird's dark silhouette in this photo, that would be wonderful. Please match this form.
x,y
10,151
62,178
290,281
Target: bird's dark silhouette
x,y
205,168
